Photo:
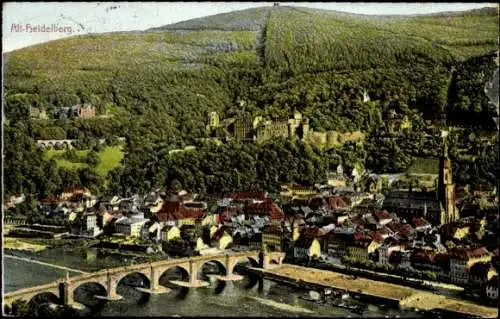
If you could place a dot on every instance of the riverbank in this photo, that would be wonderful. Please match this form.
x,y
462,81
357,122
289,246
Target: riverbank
x,y
403,296
18,244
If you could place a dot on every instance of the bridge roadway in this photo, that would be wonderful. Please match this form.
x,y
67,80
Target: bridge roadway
x,y
108,279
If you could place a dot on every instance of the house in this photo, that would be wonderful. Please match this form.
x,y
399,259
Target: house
x,y
70,192
359,248
429,260
221,239
492,288
337,178
87,226
462,259
130,226
306,247
174,213
150,230
479,274
386,249
168,233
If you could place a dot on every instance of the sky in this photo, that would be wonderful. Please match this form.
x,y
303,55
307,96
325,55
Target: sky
x,y
26,24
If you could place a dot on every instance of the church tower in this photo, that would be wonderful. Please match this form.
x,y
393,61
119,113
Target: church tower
x,y
446,188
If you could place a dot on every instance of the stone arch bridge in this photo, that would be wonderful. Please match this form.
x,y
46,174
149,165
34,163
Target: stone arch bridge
x,y
64,290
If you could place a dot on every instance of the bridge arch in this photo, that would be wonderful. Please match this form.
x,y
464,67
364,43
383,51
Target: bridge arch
x,y
42,145
174,272
50,144
145,279
96,287
41,298
221,268
253,260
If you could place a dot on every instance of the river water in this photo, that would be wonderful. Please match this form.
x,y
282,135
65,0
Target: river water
x,y
248,297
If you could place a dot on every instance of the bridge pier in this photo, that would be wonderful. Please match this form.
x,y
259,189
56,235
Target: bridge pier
x,y
193,273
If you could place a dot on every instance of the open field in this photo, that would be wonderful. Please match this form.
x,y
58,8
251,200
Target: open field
x,y
110,157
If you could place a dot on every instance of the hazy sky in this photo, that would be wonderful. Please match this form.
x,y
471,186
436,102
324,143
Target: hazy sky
x,y
20,19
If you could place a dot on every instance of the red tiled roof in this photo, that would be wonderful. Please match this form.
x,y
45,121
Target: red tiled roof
x,y
377,236
335,202
383,214
467,253
403,229
268,206
419,222
176,211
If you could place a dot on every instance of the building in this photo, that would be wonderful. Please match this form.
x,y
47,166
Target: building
x,y
168,233
479,274
298,126
446,188
130,226
420,224
415,204
150,230
462,259
70,192
175,213
293,190
438,208
383,218
336,179
242,128
221,239
272,238
306,247
213,120
271,129
359,248
492,288
84,110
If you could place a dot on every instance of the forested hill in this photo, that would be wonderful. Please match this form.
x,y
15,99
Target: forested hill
x,y
155,87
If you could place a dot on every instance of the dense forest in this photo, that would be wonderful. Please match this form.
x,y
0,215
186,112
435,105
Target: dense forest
x,y
155,89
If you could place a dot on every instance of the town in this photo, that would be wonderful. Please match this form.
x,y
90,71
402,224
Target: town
x,y
438,234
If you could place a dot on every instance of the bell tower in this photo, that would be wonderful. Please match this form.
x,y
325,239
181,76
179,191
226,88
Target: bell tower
x,y
446,188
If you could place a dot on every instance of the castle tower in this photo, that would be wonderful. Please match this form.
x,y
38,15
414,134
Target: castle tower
x,y
213,119
446,188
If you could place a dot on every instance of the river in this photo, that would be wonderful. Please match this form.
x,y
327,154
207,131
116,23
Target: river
x,y
247,297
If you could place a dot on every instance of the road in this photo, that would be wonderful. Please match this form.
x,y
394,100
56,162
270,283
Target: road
x,y
444,289
45,264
